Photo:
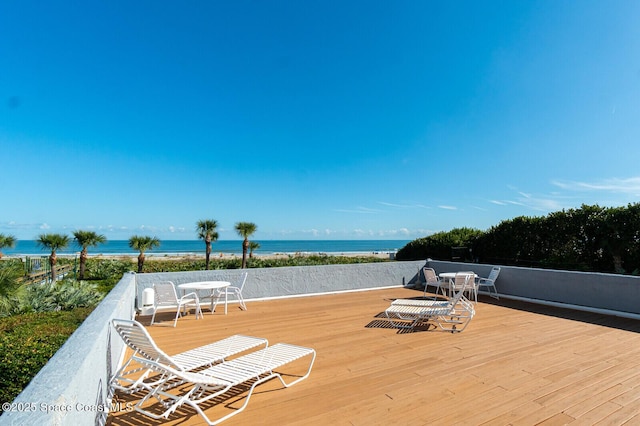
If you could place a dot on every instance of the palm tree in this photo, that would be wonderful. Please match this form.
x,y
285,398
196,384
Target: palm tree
x,y
8,241
245,229
143,243
54,242
207,231
87,239
253,245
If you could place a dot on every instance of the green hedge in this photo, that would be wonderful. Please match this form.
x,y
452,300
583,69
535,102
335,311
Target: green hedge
x,y
27,342
107,272
451,245
590,238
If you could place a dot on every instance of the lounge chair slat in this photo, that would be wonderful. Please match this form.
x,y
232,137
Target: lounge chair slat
x,y
253,368
138,339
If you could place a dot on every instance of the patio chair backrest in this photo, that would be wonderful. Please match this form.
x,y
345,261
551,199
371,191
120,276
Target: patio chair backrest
x,y
430,275
243,279
462,282
165,293
493,275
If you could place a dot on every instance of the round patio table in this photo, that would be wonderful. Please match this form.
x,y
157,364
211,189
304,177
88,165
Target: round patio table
x,y
208,285
451,275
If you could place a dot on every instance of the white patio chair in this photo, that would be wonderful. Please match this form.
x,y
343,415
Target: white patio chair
x,y
431,279
449,315
227,378
128,378
467,281
490,282
235,291
166,298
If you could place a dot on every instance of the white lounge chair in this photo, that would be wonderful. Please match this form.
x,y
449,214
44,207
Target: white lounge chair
x,y
132,377
450,315
251,369
490,282
420,302
232,291
166,298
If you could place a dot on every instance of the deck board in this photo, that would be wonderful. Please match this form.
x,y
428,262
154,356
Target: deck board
x,y
515,363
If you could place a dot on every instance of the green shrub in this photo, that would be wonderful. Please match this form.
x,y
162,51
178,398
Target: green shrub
x,y
456,244
10,286
235,262
101,269
27,342
310,260
105,273
61,295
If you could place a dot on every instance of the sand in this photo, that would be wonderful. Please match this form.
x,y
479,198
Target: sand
x,y
191,256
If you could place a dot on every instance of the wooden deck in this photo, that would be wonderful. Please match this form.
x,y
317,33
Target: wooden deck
x,y
515,363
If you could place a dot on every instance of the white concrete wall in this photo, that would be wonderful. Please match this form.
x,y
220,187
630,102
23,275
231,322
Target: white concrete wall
x,y
297,280
593,291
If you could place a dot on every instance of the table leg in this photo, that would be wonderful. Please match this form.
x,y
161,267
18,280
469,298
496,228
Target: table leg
x,y
226,297
184,307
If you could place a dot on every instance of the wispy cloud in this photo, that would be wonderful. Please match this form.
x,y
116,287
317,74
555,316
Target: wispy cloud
x,y
424,232
544,203
400,233
447,207
369,210
146,228
403,206
176,229
362,210
568,197
400,206
540,202
317,232
617,185
113,228
12,225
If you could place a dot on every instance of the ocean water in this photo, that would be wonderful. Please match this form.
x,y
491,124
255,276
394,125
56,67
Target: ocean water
x,y
171,247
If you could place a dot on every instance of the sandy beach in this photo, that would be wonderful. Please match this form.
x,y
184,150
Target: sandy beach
x,y
193,256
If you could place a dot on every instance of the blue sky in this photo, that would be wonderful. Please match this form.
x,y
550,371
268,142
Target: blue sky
x,y
314,119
